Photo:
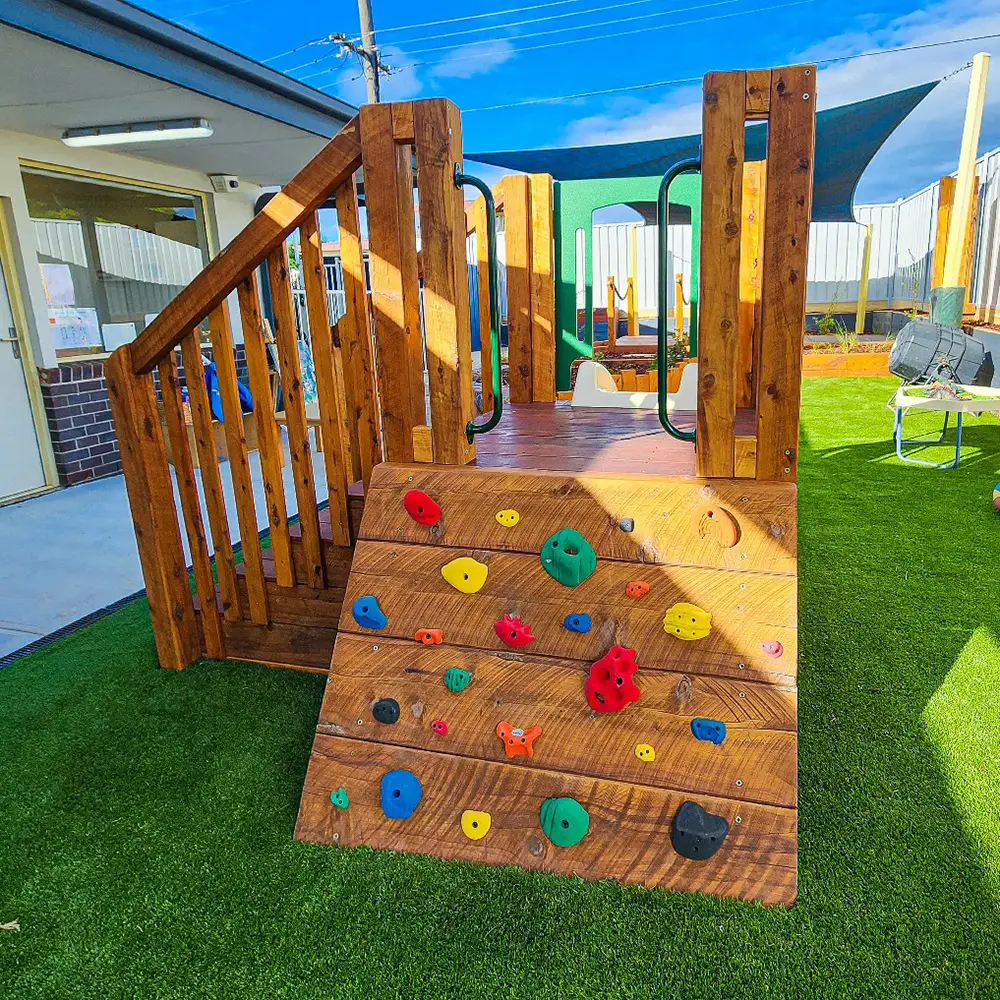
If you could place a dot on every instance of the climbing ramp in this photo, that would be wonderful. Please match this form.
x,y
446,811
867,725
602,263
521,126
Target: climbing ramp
x,y
583,674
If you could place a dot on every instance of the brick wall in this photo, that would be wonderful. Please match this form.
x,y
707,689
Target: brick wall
x,y
79,416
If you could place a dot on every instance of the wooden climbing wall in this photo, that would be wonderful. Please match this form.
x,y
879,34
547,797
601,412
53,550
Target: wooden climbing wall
x,y
673,534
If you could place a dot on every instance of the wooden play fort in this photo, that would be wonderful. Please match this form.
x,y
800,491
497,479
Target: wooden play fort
x,y
567,642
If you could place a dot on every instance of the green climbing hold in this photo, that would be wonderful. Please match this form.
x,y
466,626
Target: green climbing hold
x,y
339,798
456,679
568,557
564,821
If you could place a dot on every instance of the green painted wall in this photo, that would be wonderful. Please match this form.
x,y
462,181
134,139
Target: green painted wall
x,y
573,206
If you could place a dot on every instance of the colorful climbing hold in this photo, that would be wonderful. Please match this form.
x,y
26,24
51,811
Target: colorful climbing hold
x,y
626,524
564,821
508,518
456,679
645,752
687,621
774,649
401,792
518,741
339,798
513,631
697,834
465,574
577,622
636,588
367,613
712,521
429,636
476,824
610,686
710,730
996,496
421,507
568,557
440,727
386,711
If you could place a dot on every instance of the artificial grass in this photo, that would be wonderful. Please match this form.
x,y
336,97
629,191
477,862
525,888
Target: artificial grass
x,y
146,816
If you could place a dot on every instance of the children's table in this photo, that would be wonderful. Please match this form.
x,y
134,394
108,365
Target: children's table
x,y
986,400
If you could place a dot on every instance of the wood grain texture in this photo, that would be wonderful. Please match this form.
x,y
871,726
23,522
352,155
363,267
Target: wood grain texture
x,y
151,501
268,436
239,462
751,228
758,101
790,163
543,303
301,605
187,489
747,609
629,836
211,478
759,748
355,329
746,457
392,267
946,198
724,106
327,391
662,508
483,286
301,196
299,449
517,240
297,645
438,145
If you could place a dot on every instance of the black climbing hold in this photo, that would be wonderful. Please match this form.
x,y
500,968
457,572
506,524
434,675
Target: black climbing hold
x,y
697,834
626,524
386,711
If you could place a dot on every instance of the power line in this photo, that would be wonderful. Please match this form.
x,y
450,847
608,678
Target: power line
x,y
474,17
697,79
576,27
210,10
622,34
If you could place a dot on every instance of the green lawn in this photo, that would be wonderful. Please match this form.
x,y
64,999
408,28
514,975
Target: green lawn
x,y
146,817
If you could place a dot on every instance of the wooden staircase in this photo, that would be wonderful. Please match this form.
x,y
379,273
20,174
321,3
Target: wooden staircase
x,y
749,589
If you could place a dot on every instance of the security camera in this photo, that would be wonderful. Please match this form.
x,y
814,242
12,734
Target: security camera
x,y
222,183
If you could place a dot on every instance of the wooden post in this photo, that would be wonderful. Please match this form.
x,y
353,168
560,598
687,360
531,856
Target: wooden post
x,y
630,310
483,285
959,223
543,301
151,500
612,315
438,142
750,259
517,226
724,109
679,307
866,256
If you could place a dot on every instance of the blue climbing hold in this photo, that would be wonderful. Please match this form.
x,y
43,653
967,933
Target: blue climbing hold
x,y
367,613
577,622
709,729
401,793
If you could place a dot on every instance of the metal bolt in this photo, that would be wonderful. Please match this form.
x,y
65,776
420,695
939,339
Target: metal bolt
x,y
739,819
744,499
375,648
787,470
788,452
743,666
361,722
743,694
805,97
743,556
743,586
739,782
336,837
409,479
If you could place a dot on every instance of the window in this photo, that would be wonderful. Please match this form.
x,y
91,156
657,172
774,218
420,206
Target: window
x,y
112,255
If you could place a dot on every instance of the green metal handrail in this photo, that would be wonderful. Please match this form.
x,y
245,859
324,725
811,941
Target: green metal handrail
x,y
472,428
662,220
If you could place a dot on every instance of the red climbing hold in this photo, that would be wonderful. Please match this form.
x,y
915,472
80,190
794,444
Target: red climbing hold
x,y
610,686
429,636
518,741
421,507
513,631
636,588
440,727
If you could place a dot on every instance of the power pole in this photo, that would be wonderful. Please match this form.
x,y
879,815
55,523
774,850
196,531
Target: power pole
x,y
369,54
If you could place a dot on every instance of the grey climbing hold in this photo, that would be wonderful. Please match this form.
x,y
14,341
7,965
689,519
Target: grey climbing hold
x,y
697,834
386,711
626,524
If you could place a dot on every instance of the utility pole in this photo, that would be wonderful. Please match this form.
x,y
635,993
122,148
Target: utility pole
x,y
369,53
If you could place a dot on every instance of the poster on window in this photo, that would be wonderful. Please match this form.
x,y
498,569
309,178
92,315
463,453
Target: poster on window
x,y
74,327
58,282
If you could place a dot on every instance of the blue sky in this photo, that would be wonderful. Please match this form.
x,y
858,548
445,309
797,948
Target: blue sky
x,y
550,48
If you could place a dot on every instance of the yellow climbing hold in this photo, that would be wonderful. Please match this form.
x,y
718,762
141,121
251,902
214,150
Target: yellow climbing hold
x,y
687,621
645,752
475,824
508,518
465,574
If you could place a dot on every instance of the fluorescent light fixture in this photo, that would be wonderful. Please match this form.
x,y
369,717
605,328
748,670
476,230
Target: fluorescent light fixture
x,y
116,135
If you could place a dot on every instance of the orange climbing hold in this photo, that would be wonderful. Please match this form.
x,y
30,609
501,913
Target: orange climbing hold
x,y
716,522
429,636
636,588
518,741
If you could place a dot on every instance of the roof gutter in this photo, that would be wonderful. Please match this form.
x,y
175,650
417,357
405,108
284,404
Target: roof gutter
x,y
128,36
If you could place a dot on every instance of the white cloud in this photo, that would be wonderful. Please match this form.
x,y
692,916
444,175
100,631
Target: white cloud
x,y
473,60
924,146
